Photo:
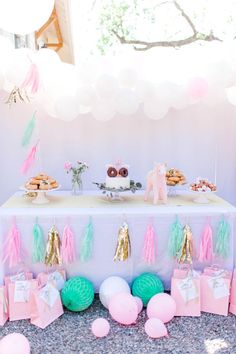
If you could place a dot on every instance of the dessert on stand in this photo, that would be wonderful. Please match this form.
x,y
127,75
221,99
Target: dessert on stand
x,y
203,189
40,185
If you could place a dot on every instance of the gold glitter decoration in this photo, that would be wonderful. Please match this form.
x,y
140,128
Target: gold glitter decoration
x,y
185,254
123,244
52,256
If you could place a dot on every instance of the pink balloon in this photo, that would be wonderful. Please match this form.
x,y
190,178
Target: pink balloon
x,y
139,303
123,308
155,328
197,88
161,306
100,327
14,343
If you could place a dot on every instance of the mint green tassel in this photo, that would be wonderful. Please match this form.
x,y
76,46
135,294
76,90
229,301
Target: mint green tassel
x,y
38,244
29,131
87,243
222,239
176,238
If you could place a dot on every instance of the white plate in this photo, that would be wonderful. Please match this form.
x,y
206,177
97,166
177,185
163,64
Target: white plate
x,y
41,197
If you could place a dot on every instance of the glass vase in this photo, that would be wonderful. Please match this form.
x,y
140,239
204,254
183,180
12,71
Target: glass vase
x,y
77,185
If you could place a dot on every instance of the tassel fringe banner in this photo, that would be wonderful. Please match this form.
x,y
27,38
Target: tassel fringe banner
x,y
87,243
68,246
206,245
29,131
176,239
222,245
29,160
185,254
53,256
38,244
123,248
149,251
12,247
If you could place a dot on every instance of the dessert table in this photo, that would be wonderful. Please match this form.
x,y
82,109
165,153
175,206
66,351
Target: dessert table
x,y
107,216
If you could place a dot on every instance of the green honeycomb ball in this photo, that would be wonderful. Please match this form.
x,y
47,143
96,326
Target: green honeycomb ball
x,y
146,286
77,294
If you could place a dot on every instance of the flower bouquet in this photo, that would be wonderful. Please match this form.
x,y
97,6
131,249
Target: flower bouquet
x,y
76,171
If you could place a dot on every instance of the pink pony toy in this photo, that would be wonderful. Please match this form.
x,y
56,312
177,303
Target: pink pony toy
x,y
156,181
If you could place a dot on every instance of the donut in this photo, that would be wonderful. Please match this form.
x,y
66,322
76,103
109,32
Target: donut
x,y
123,172
34,181
111,172
41,176
31,186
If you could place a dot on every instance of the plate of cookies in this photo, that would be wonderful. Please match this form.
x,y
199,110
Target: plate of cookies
x,y
174,178
202,187
41,184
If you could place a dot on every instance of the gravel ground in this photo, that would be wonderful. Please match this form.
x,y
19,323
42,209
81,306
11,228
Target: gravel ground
x,y
71,334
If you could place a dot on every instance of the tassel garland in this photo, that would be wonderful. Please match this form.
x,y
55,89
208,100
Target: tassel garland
x,y
12,247
122,251
29,160
32,79
38,244
68,246
87,243
149,245
176,239
29,131
222,239
185,254
206,245
53,256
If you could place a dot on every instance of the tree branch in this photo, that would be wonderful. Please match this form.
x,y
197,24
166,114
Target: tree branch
x,y
187,18
141,45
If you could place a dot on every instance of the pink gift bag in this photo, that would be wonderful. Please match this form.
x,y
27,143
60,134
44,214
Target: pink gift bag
x,y
215,288
20,296
46,306
57,278
232,306
19,276
185,289
3,305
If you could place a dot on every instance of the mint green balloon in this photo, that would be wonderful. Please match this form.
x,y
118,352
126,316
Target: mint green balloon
x,y
146,285
77,294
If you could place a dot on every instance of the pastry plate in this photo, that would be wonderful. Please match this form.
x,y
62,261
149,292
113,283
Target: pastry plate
x,y
41,195
202,197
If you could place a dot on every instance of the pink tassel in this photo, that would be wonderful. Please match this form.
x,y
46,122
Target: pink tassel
x,y
206,245
12,247
68,245
29,160
149,245
32,79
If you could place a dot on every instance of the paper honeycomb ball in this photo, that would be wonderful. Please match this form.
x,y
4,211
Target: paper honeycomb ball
x,y
146,286
77,294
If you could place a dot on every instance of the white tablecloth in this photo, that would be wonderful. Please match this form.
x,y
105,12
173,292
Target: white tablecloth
x,y
106,221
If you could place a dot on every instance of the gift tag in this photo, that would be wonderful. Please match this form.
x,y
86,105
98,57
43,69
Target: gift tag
x,y
19,276
187,289
56,278
22,291
49,294
219,287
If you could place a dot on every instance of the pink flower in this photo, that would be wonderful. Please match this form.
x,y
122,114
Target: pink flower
x,y
67,166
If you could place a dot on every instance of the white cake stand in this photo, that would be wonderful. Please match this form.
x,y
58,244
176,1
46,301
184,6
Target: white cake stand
x,y
41,197
202,197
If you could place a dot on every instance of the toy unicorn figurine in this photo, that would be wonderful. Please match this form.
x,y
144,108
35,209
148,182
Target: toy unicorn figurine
x,y
156,181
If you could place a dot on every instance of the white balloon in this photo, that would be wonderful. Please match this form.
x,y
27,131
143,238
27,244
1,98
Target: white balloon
x,y
86,95
221,73
103,110
111,286
106,86
66,108
18,65
127,102
46,57
128,77
231,94
24,16
155,109
144,90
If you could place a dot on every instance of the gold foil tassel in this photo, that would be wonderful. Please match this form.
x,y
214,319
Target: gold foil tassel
x,y
123,244
185,254
17,95
53,256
